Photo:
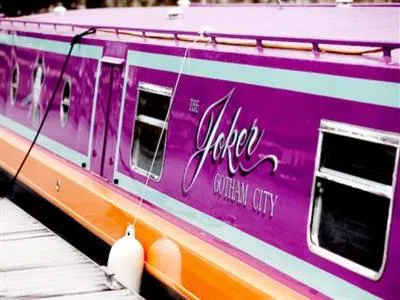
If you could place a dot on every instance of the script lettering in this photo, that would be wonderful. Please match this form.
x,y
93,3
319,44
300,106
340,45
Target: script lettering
x,y
232,145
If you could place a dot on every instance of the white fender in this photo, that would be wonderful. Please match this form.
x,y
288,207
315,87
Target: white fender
x,y
126,260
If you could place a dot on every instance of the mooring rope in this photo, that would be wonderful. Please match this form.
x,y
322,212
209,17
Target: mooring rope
x,y
145,187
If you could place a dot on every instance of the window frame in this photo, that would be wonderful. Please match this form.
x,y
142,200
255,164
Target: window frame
x,y
369,135
36,107
39,61
64,124
157,90
13,100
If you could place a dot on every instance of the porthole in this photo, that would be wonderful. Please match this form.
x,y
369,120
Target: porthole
x,y
65,103
14,85
38,79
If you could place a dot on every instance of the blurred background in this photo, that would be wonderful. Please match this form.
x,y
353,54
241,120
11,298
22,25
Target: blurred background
x,y
25,7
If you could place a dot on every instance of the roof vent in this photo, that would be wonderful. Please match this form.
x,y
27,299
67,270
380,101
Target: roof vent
x,y
344,2
175,13
183,3
59,9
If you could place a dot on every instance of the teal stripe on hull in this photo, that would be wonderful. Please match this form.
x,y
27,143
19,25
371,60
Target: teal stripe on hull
x,y
80,50
47,143
345,88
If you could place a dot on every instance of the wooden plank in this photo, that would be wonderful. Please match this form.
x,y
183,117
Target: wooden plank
x,y
35,263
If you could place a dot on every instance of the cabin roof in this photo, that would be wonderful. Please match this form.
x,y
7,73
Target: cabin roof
x,y
377,23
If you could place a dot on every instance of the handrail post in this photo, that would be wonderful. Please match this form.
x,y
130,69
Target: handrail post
x,y
213,40
315,49
387,54
176,39
259,45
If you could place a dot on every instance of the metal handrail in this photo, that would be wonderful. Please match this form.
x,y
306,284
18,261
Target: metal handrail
x,y
387,47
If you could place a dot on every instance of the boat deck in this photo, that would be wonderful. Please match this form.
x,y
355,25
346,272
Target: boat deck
x,y
35,263
346,33
354,23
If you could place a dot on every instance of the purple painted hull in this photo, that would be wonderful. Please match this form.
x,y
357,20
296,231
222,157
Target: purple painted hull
x,y
291,120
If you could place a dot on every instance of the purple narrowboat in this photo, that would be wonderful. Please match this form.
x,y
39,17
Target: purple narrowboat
x,y
255,147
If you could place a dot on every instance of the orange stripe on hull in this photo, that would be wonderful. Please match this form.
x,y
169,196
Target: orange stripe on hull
x,y
195,269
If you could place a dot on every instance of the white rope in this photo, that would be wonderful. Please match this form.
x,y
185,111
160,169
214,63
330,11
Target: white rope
x,y
143,194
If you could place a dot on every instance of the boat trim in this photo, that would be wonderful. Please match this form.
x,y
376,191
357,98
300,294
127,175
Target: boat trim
x,y
53,46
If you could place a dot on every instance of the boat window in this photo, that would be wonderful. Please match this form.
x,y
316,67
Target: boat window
x,y
371,161
14,85
151,113
352,197
65,103
38,79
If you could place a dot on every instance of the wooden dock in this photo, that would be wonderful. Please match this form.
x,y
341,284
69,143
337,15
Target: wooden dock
x,y
35,263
